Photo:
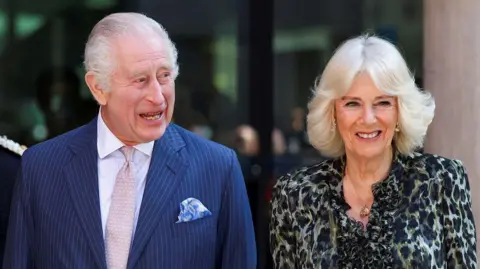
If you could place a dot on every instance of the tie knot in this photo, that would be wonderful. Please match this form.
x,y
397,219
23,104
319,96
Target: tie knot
x,y
127,152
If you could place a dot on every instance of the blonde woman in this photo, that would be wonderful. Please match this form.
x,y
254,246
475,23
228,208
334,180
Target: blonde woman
x,y
377,203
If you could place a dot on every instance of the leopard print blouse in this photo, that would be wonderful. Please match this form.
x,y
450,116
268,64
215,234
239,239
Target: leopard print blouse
x,y
421,218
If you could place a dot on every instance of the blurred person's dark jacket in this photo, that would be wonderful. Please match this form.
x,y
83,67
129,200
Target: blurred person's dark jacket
x,y
9,166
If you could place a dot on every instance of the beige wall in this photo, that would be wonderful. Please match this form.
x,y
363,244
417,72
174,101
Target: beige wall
x,y
452,74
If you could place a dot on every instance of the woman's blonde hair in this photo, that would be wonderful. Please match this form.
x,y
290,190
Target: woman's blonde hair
x,y
389,71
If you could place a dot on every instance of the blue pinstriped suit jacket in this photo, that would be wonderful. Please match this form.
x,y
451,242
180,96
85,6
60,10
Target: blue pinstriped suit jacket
x,y
55,219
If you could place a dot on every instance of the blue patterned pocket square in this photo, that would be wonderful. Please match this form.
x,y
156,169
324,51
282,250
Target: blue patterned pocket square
x,y
192,209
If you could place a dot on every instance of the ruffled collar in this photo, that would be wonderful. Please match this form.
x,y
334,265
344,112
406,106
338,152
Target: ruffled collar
x,y
356,245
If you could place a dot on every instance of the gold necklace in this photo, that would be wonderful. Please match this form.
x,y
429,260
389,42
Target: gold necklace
x,y
365,210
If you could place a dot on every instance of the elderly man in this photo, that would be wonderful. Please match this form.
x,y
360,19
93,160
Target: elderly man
x,y
130,190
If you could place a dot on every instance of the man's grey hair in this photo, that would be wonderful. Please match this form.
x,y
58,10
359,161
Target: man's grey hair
x,y
98,50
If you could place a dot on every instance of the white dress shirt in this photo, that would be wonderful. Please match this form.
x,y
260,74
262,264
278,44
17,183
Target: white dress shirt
x,y
110,161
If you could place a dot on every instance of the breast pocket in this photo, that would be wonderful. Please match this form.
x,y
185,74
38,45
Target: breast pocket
x,y
204,226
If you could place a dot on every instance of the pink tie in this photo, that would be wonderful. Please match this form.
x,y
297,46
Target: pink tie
x,y
118,234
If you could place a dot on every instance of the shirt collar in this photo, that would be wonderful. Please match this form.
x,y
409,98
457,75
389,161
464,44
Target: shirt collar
x,y
108,143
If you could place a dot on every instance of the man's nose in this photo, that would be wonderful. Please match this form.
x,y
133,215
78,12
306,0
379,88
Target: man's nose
x,y
155,94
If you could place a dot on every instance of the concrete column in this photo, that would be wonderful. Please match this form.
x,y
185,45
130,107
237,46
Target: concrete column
x,y
452,74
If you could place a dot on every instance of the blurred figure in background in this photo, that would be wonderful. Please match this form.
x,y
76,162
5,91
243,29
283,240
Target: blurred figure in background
x,y
10,154
284,161
248,146
247,142
296,135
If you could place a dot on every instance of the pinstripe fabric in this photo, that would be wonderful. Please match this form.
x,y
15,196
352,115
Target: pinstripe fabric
x,y
55,220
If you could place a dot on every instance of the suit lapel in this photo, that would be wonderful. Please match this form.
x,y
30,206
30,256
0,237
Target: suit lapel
x,y
82,178
165,174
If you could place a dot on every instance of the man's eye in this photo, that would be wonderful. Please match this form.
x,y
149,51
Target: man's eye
x,y
140,80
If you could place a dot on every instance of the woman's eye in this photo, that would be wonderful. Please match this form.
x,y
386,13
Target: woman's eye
x,y
384,103
351,104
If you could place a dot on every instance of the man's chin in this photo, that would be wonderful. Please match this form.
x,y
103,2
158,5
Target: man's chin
x,y
152,135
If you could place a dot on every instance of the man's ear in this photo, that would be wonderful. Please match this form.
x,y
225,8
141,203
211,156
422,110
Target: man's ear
x,y
95,88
